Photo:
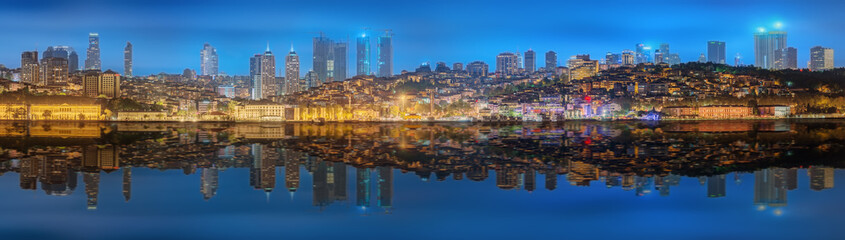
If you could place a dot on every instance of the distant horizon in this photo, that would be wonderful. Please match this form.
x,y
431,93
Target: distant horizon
x,y
167,37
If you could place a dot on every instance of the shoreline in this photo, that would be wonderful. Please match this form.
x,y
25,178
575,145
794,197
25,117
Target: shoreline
x,y
446,121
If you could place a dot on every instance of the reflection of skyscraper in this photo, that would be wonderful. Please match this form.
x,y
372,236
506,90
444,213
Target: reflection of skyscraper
x,y
385,187
551,180
263,170
529,180
291,172
29,173
506,177
362,186
339,172
208,179
766,190
127,183
477,172
92,188
716,186
821,178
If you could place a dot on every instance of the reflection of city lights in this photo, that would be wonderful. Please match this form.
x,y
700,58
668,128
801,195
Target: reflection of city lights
x,y
761,208
778,212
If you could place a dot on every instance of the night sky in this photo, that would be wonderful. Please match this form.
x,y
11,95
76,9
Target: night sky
x,y
168,35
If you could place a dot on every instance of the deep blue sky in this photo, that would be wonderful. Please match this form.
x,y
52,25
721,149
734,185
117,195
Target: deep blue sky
x,y
168,35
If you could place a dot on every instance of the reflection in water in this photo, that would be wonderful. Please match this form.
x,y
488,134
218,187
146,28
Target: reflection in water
x,y
631,156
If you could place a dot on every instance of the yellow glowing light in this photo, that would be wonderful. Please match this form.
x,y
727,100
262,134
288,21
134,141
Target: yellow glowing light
x,y
778,25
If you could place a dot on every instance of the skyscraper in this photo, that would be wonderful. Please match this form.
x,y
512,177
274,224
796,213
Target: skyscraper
x,y
821,58
786,58
292,83
477,69
127,60
93,54
551,61
507,64
385,55
208,182
340,53
457,67
530,61
29,67
323,62
54,71
110,84
716,52
821,178
765,46
581,66
642,53
628,57
363,55
65,52
208,60
263,74
716,186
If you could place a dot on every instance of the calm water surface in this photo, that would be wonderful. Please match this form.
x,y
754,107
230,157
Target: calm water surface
x,y
632,180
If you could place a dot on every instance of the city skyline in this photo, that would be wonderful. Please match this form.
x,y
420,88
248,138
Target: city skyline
x,y
413,45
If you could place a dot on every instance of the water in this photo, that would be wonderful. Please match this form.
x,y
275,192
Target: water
x,y
639,180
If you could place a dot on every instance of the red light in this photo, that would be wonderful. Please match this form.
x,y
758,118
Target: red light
x,y
587,98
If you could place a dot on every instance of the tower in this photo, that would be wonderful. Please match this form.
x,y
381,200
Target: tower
x,y
385,55
92,61
208,60
127,60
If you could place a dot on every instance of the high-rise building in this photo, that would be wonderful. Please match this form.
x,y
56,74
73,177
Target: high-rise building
x,y
530,61
664,48
91,83
110,84
716,186
612,58
362,187
93,54
127,183
385,187
821,178
363,55
457,67
208,60
292,83
311,79
672,58
628,57
54,71
340,53
263,74
477,69
786,58
127,60
65,52
765,46
716,52
507,64
821,58
551,61
323,62
581,66
658,56
642,53
209,182
29,67
262,173
767,191
291,173
385,55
